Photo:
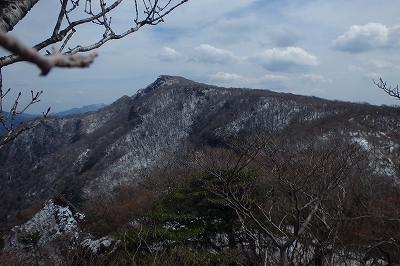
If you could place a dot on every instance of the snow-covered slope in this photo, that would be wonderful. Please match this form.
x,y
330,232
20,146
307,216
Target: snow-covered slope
x,y
53,235
53,230
89,155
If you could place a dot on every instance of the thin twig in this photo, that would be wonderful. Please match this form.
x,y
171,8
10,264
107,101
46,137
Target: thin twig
x,y
394,92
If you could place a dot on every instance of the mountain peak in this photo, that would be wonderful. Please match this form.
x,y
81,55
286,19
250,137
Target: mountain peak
x,y
164,81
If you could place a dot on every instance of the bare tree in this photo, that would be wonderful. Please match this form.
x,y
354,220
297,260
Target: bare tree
x,y
392,91
73,15
294,179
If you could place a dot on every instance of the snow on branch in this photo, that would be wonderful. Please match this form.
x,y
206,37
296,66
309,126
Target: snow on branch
x,y
45,63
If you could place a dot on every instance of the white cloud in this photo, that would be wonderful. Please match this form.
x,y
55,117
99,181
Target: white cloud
x,y
372,76
234,30
360,39
317,91
195,14
268,79
278,81
315,79
382,64
285,37
274,82
285,59
169,54
210,54
394,36
238,24
354,68
227,77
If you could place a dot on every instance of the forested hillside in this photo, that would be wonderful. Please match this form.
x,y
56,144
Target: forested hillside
x,y
183,173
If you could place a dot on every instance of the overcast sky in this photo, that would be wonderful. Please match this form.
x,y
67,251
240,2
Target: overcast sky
x,y
329,49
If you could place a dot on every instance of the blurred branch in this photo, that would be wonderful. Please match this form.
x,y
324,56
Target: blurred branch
x,y
45,63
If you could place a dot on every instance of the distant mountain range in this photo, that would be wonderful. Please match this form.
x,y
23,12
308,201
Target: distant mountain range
x,y
82,110
25,117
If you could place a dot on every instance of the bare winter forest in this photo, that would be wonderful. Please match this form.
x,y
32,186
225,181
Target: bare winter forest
x,y
184,173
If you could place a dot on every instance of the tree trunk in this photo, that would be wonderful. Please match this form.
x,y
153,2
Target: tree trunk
x,y
283,256
12,11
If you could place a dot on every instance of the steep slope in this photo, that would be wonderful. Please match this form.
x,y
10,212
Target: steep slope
x,y
82,156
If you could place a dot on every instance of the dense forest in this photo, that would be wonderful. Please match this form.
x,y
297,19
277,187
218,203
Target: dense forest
x,y
184,173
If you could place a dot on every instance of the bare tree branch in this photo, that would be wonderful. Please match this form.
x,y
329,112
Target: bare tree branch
x,y
8,121
13,132
394,92
154,14
11,12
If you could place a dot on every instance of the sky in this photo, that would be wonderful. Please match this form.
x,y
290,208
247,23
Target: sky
x,y
323,48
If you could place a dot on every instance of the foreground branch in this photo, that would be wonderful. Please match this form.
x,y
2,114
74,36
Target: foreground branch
x,y
11,12
149,12
45,63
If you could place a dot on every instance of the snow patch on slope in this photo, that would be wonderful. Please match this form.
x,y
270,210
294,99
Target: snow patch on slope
x,y
52,229
100,246
50,222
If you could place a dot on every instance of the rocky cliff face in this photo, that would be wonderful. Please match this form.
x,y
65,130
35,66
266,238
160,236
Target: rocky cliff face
x,y
53,223
90,154
52,236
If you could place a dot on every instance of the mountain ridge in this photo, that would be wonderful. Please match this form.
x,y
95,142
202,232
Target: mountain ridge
x,y
85,155
111,165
